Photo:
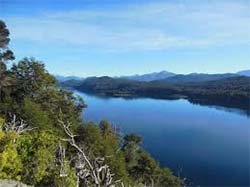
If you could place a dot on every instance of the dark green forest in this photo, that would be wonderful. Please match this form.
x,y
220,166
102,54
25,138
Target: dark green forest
x,y
232,91
45,142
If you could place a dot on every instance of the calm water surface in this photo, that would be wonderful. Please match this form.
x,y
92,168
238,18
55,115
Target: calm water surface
x,y
207,145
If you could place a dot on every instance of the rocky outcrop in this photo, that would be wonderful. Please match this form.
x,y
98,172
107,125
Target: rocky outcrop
x,y
12,183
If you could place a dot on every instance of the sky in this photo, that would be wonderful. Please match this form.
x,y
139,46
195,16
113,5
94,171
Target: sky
x,y
125,37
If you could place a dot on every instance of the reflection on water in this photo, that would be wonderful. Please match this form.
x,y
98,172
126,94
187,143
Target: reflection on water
x,y
227,109
201,103
208,145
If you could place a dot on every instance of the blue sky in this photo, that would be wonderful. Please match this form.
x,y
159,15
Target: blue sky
x,y
118,37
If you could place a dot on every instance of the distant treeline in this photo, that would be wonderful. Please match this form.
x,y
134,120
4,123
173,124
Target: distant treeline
x,y
229,92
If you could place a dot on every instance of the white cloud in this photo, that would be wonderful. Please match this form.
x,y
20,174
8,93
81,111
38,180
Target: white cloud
x,y
154,26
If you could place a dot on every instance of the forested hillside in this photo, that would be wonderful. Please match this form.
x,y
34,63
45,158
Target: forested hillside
x,y
230,91
195,78
45,142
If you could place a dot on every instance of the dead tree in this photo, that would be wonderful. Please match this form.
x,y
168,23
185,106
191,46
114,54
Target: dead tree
x,y
17,126
92,172
62,161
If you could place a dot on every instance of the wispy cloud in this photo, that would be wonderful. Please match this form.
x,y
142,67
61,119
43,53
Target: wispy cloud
x,y
152,26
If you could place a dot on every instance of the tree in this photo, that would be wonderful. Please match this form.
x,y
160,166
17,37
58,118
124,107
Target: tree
x,y
105,127
34,115
131,149
92,172
96,154
132,138
144,169
31,78
5,55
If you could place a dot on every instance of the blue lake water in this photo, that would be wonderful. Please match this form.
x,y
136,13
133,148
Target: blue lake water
x,y
207,145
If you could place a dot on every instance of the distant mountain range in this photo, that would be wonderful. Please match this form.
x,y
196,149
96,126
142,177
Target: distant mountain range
x,y
244,72
61,78
228,89
195,77
150,76
164,76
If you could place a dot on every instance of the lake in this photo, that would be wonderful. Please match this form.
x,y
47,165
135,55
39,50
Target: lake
x,y
207,145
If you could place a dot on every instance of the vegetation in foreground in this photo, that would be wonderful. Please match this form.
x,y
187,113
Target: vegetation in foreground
x,y
44,142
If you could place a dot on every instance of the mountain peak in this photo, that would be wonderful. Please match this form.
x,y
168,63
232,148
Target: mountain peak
x,y
244,72
150,76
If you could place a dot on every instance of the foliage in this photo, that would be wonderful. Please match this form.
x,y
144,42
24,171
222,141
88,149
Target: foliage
x,y
10,162
32,157
5,53
34,115
69,181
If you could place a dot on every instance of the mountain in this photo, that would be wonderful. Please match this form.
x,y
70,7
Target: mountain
x,y
150,76
236,83
230,91
118,87
163,76
244,72
157,78
60,78
195,78
71,83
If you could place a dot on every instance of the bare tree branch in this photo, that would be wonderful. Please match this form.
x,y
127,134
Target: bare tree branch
x,y
93,172
18,126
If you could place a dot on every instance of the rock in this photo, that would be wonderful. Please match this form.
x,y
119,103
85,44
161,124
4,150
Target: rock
x,y
11,183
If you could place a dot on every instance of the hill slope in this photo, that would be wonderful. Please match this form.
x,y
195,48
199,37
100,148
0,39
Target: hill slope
x,y
196,77
232,91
